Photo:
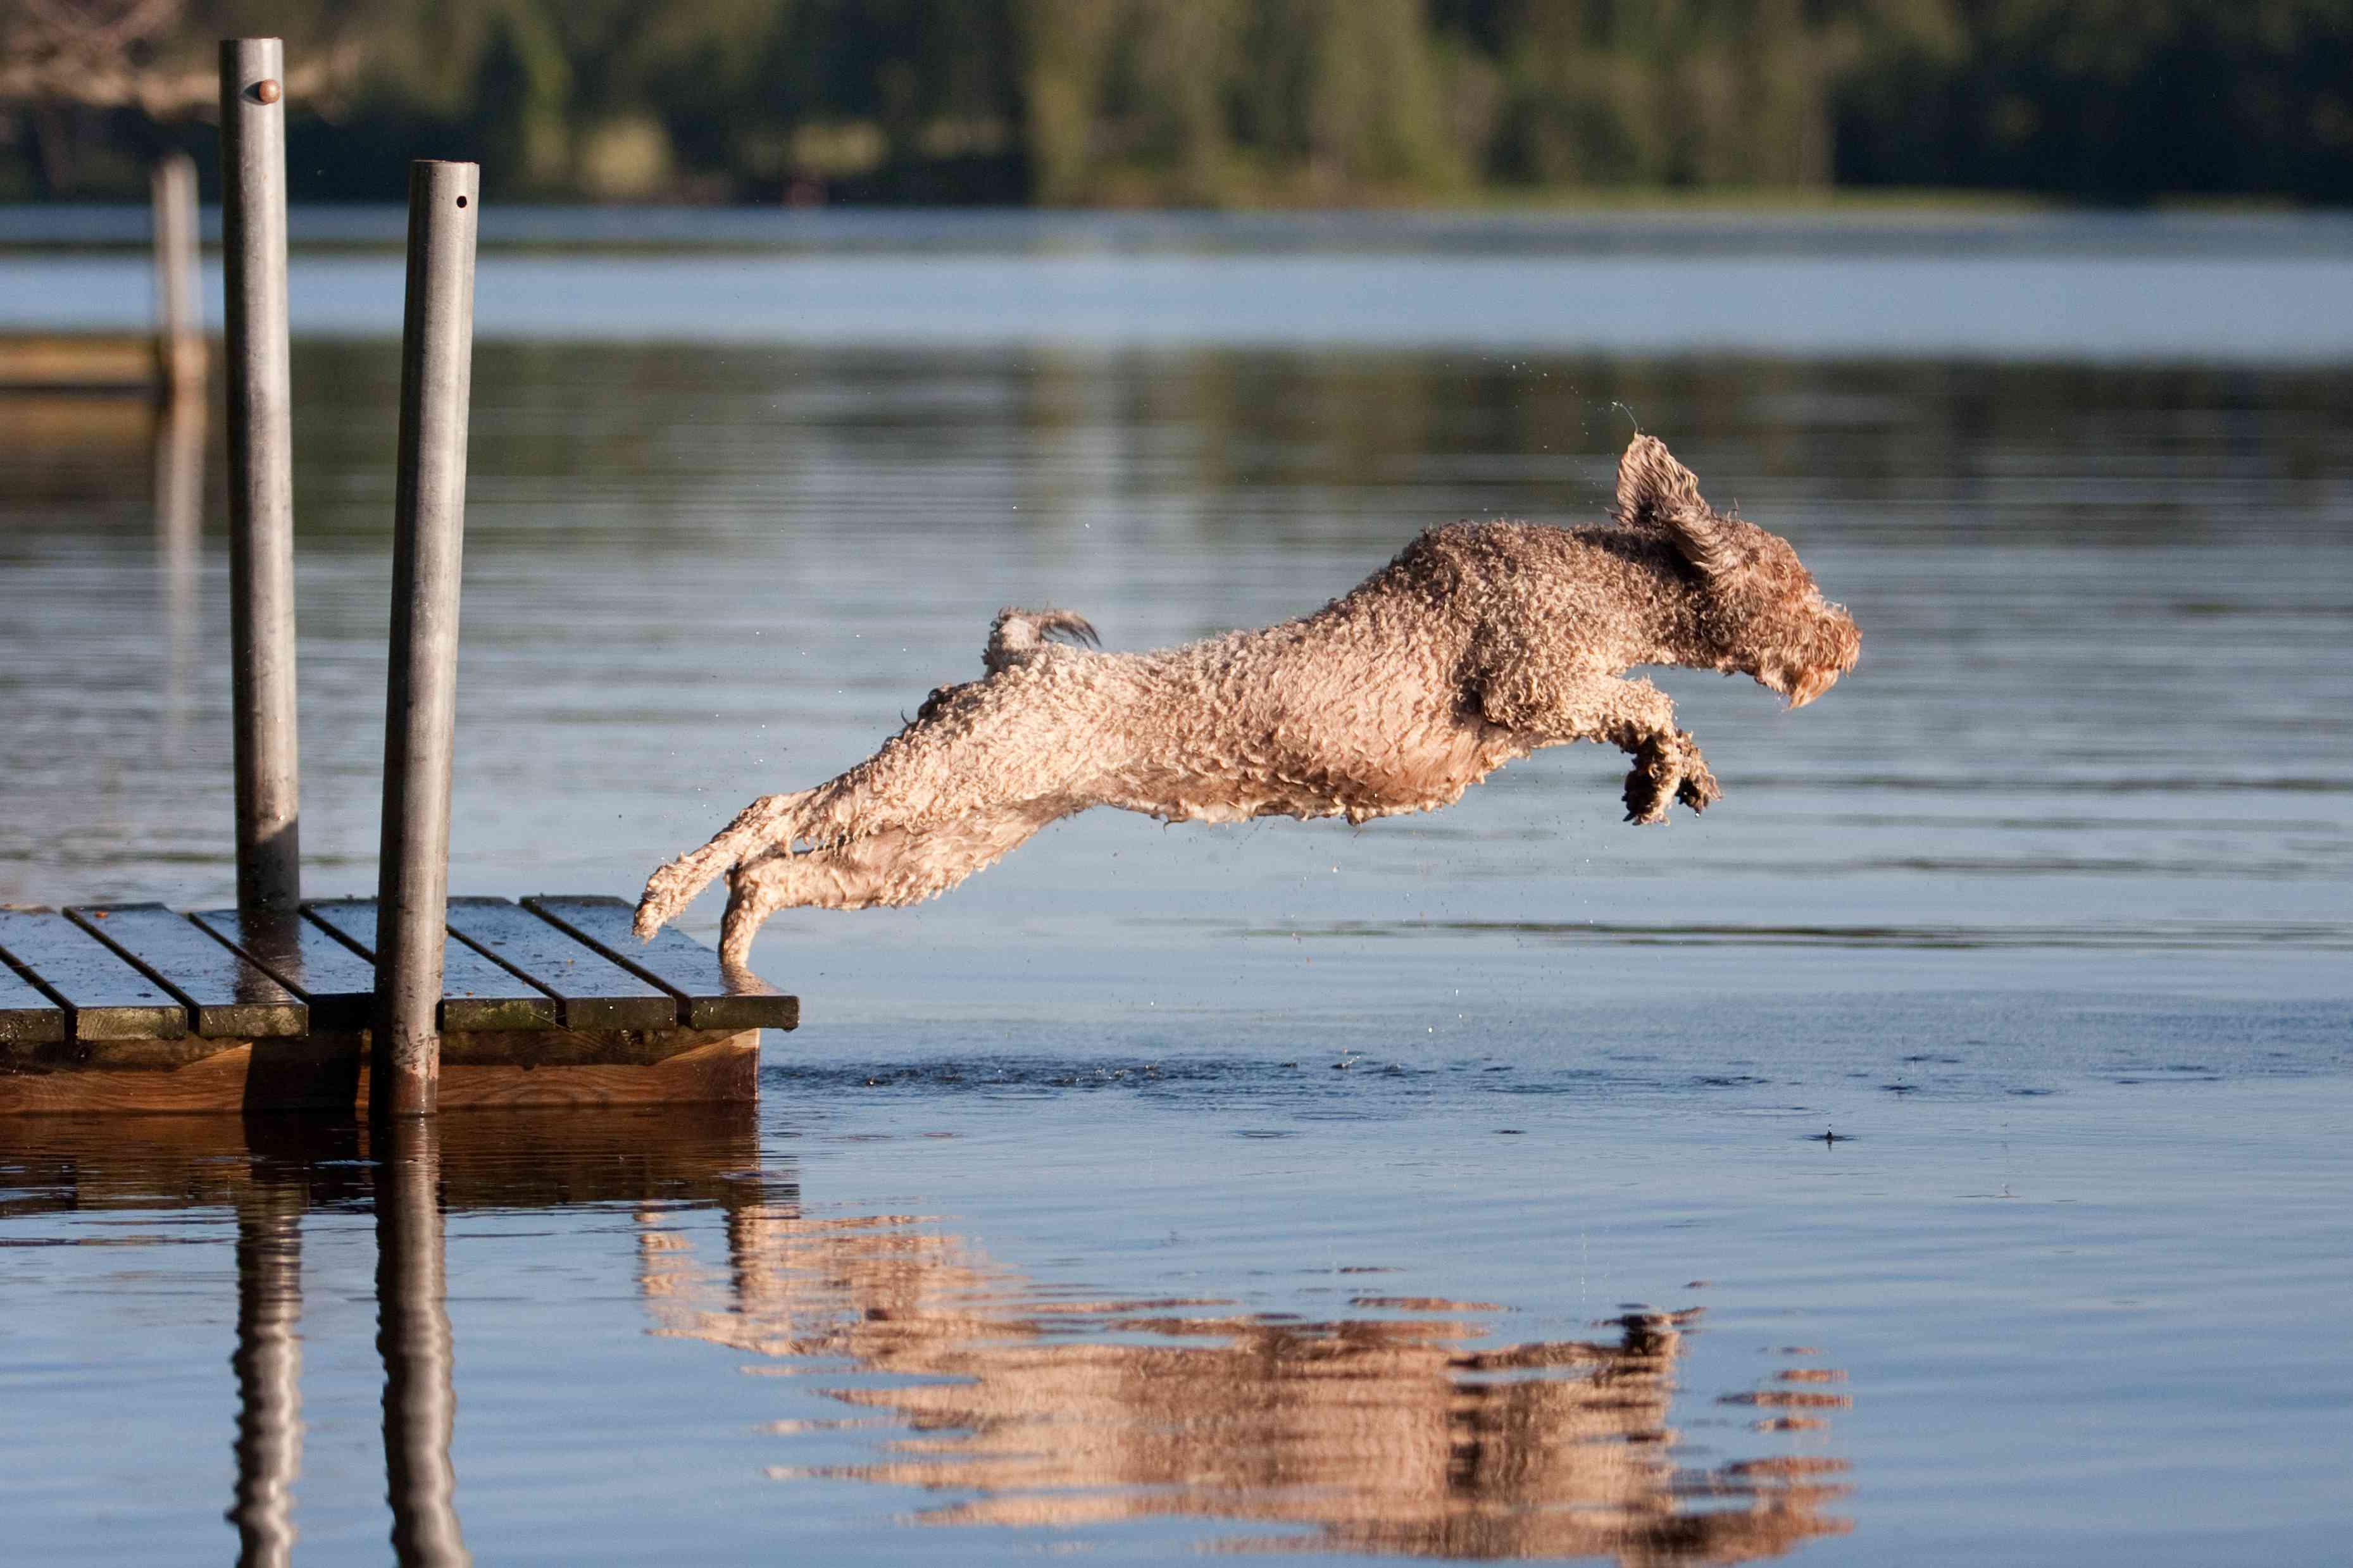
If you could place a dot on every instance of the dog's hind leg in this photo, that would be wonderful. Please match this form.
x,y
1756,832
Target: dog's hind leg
x,y
902,865
970,768
771,819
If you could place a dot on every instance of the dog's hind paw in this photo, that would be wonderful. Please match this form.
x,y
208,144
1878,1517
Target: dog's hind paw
x,y
668,891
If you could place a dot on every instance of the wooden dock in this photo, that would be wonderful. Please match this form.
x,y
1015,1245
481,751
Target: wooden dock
x,y
549,1002
279,1004
81,361
171,360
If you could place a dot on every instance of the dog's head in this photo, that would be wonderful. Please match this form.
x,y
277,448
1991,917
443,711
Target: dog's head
x,y
1762,614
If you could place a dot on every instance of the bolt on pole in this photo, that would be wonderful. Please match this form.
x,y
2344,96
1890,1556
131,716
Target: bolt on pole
x,y
421,687
260,473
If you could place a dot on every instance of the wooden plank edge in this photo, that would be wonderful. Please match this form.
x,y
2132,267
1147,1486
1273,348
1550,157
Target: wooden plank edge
x,y
32,1026
314,1073
460,1013
777,1011
328,1073
744,1013
138,1021
723,1071
329,1013
583,1011
236,1020
685,1003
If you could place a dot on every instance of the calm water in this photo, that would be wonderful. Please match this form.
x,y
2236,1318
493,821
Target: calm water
x,y
1452,1187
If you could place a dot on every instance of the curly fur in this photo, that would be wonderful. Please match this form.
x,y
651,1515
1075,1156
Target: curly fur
x,y
1478,644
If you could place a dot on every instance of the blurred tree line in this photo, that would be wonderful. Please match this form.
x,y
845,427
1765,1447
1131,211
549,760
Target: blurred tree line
x,y
1212,101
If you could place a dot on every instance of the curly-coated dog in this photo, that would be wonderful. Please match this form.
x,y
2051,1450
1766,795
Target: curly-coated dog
x,y
1480,643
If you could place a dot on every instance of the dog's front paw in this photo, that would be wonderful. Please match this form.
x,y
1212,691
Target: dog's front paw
x,y
1697,788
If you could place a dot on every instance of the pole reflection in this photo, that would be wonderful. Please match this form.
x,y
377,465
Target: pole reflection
x,y
268,1171
268,1361
178,470
420,1401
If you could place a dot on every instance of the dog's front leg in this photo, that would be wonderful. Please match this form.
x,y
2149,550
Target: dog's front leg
x,y
1634,716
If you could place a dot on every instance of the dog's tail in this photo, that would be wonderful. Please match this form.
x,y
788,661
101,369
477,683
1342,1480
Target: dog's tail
x,y
1018,635
771,819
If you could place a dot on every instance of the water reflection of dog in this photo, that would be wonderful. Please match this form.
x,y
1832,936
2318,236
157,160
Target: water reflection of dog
x,y
1392,1432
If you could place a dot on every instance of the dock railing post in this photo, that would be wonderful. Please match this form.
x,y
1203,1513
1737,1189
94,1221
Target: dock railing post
x,y
179,333
421,689
260,472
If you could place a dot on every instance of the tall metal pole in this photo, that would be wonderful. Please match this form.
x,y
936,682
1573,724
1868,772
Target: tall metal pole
x,y
179,334
421,692
260,473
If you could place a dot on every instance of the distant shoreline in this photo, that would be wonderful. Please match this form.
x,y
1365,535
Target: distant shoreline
x,y
1700,224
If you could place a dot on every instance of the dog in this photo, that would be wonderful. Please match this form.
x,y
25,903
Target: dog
x,y
1480,643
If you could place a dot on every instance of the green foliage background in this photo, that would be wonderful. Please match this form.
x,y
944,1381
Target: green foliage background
x,y
1230,102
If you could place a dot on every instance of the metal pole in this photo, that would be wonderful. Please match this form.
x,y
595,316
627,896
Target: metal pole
x,y
421,691
260,473
179,335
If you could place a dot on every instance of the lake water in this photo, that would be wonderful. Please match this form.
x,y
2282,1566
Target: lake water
x,y
1454,1187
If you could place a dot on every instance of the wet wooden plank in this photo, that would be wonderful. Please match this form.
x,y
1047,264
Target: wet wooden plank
x,y
476,994
58,360
721,1067
591,991
337,983
105,997
712,996
309,1072
227,995
27,1014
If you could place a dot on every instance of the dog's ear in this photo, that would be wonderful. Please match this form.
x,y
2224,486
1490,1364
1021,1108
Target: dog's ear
x,y
1653,489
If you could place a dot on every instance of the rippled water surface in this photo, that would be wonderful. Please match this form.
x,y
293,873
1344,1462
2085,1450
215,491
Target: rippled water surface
x,y
1937,1154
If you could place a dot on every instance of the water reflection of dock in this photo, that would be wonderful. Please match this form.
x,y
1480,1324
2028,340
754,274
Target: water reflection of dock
x,y
271,1172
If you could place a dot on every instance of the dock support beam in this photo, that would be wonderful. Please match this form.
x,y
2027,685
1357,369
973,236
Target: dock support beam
x,y
260,472
421,690
179,331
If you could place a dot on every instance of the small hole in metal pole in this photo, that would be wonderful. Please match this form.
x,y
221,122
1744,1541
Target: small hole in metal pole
x,y
461,201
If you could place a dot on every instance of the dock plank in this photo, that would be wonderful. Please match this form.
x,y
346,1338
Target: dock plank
x,y
27,1014
105,997
712,996
228,996
476,994
337,983
591,991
